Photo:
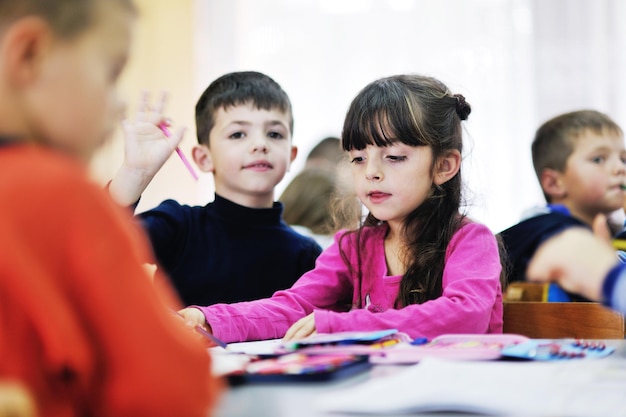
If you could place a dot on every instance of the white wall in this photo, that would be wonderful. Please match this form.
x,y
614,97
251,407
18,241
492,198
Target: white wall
x,y
518,62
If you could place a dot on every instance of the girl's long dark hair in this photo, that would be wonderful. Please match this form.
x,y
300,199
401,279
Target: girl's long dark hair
x,y
417,111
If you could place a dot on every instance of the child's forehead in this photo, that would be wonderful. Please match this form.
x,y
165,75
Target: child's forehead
x,y
250,113
590,139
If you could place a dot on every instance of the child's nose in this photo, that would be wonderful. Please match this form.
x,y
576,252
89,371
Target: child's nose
x,y
373,171
259,144
619,167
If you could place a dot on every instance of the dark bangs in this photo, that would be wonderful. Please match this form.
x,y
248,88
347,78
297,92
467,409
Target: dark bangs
x,y
381,115
261,98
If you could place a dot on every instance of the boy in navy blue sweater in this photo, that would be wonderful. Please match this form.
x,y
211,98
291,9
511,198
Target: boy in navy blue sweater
x,y
580,162
236,248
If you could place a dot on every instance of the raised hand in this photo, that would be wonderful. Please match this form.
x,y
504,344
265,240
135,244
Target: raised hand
x,y
146,145
146,148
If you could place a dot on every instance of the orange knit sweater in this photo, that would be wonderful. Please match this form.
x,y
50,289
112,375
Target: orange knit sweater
x,y
81,325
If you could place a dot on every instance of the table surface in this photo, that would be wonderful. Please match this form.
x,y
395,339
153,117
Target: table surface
x,y
297,399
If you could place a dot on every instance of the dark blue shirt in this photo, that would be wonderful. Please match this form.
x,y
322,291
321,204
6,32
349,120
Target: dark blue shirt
x,y
522,240
224,252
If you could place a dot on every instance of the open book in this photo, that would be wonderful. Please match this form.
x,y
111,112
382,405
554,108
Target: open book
x,y
564,388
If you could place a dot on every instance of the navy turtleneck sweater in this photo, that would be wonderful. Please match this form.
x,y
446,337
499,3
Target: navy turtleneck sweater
x,y
224,252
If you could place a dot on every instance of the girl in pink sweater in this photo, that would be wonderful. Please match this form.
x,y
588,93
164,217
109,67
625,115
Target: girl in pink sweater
x,y
415,263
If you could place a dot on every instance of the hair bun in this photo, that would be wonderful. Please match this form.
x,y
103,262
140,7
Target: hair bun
x,y
463,109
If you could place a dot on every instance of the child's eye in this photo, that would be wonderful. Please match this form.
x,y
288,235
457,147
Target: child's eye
x,y
275,135
236,135
396,158
598,159
356,160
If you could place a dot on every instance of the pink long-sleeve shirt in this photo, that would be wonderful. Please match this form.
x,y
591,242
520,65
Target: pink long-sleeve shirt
x,y
471,301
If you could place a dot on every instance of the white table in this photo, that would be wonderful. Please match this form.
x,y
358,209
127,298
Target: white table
x,y
296,400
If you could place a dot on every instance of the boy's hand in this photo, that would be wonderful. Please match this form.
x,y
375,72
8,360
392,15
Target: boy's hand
x,y
576,259
146,148
146,145
301,329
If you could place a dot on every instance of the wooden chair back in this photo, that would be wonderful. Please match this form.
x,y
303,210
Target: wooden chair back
x,y
526,291
580,320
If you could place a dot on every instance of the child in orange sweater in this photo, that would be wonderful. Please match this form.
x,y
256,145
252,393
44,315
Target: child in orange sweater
x,y
82,328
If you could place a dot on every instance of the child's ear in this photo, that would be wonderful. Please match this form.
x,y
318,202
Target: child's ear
x,y
447,166
551,183
23,48
201,155
294,153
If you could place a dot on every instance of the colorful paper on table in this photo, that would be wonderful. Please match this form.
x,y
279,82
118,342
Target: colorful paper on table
x,y
452,346
555,350
297,367
397,348
341,338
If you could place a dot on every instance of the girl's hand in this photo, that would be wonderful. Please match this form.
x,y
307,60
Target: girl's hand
x,y
302,328
193,317
146,148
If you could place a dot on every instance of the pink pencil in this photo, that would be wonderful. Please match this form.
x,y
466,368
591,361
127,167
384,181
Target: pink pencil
x,y
180,153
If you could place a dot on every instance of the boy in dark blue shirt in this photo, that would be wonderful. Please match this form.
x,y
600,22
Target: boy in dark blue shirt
x,y
236,248
580,161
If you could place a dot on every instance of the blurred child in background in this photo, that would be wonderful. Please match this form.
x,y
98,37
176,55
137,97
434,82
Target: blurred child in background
x,y
580,162
82,328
